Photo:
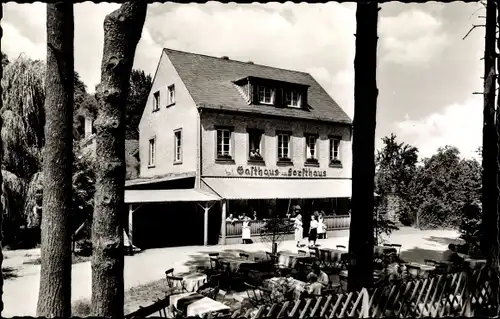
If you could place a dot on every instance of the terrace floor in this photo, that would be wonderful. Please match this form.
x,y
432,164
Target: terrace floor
x,y
21,289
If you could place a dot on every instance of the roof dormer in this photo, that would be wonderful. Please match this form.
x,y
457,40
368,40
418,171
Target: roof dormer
x,y
261,91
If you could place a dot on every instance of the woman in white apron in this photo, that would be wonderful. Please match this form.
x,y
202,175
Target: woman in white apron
x,y
245,230
321,227
298,229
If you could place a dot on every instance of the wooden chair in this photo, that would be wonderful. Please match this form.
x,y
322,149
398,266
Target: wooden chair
x,y
245,256
272,257
214,263
398,248
314,252
176,284
212,288
230,278
258,296
159,308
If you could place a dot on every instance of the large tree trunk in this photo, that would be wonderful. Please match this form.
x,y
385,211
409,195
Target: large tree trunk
x,y
490,165
122,31
1,183
54,297
494,247
361,239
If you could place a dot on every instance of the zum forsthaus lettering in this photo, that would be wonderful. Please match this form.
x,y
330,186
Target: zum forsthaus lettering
x,y
269,172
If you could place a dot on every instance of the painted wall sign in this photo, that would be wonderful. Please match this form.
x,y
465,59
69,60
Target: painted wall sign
x,y
276,172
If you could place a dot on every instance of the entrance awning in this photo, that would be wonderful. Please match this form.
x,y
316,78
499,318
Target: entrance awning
x,y
168,195
263,188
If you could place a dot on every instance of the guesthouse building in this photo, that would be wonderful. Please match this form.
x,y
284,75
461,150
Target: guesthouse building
x,y
221,138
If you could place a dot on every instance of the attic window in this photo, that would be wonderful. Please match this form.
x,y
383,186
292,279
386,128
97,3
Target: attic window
x,y
266,95
293,99
171,95
156,101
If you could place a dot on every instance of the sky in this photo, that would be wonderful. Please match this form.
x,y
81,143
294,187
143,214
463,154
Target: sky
x,y
426,73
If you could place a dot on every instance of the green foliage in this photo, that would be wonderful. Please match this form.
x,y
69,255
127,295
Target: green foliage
x,y
470,227
83,190
444,186
22,134
383,224
140,85
396,166
5,60
433,194
274,230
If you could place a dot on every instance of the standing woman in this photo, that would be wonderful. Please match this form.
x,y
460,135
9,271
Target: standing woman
x,y
321,226
245,230
298,229
313,231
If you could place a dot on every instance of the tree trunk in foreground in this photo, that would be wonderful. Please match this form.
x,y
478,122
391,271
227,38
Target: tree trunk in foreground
x,y
490,165
494,255
122,31
1,183
54,298
361,239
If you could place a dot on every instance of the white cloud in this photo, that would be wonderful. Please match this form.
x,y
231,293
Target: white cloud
x,y
411,37
340,86
458,125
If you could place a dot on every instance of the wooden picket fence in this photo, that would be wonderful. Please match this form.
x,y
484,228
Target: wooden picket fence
x,y
466,294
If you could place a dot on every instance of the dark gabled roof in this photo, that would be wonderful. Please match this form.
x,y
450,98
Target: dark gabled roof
x,y
210,81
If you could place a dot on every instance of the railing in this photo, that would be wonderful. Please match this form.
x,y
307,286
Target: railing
x,y
233,229
463,294
450,295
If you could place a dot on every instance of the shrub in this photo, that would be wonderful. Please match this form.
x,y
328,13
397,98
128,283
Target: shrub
x,y
81,308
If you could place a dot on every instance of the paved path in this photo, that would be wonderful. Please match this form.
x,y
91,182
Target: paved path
x,y
21,294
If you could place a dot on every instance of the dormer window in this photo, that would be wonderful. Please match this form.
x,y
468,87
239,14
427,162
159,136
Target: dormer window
x,y
293,99
266,95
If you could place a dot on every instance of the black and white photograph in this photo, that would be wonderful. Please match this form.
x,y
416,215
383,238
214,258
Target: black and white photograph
x,y
250,160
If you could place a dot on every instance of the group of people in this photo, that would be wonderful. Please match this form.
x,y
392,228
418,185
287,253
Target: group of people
x,y
317,228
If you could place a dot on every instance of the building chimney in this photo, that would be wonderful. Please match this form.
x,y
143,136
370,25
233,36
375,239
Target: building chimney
x,y
225,57
250,62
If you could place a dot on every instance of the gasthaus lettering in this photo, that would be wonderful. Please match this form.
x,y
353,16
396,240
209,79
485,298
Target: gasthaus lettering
x,y
269,172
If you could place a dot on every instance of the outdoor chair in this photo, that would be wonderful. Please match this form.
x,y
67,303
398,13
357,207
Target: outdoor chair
x,y
230,279
212,288
174,284
159,307
332,288
314,252
245,256
398,248
272,257
258,296
301,252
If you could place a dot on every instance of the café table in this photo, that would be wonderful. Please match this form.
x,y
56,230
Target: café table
x,y
281,285
195,304
331,256
191,282
418,270
238,263
384,250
